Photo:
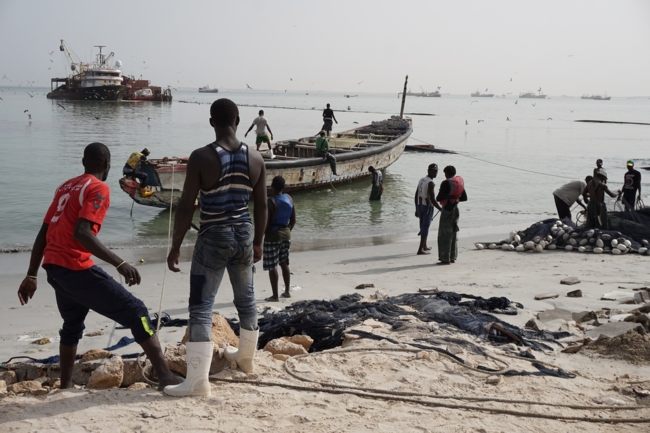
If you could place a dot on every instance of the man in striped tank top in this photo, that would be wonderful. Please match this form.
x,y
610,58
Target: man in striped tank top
x,y
225,175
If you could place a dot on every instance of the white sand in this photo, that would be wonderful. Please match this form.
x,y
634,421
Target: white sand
x,y
393,268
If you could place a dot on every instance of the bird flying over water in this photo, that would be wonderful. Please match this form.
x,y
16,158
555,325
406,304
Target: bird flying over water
x,y
51,61
291,78
26,111
249,86
571,55
360,82
480,121
466,122
60,105
550,118
30,95
507,119
516,102
96,117
473,101
533,104
51,52
486,90
571,111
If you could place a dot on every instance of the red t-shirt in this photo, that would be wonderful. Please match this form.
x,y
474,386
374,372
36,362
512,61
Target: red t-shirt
x,y
85,197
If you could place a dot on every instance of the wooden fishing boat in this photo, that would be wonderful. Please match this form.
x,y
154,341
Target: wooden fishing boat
x,y
379,144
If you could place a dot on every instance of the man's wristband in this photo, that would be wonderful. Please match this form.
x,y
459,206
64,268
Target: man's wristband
x,y
118,266
32,277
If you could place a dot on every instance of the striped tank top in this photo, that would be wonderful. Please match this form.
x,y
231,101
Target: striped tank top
x,y
226,203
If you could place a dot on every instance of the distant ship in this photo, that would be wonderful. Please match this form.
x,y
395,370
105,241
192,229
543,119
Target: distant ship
x,y
435,94
539,95
596,97
478,94
207,89
142,90
97,81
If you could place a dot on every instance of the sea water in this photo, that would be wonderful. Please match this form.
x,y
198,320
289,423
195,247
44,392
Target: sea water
x,y
541,136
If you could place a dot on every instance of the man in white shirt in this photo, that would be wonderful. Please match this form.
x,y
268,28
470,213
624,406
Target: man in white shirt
x,y
262,126
568,194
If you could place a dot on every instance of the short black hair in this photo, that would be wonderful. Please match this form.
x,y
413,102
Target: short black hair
x,y
328,105
588,179
96,155
322,133
450,171
224,112
277,183
261,112
371,169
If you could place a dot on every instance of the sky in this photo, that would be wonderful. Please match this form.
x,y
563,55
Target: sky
x,y
564,47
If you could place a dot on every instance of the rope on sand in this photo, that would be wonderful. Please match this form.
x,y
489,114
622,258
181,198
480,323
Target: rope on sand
x,y
416,398
169,235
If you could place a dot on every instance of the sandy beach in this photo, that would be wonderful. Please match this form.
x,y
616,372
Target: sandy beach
x,y
394,269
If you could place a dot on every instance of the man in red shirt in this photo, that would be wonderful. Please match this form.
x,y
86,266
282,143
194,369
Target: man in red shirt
x,y
64,244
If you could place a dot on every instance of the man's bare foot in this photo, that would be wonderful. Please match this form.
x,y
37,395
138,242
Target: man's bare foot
x,y
427,248
443,263
421,253
272,299
171,380
286,295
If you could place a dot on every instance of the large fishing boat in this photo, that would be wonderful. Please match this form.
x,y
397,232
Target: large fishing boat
x,y
98,81
596,97
478,94
379,144
207,89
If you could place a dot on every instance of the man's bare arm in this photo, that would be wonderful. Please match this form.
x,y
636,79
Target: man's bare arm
x,y
249,129
185,208
28,286
292,219
432,196
269,128
261,209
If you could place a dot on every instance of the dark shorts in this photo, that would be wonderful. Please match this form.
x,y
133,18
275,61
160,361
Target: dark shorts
x,y
425,213
274,253
262,139
563,209
327,125
77,292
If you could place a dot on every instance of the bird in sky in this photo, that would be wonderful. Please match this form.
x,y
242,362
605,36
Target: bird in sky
x,y
249,86
60,105
285,91
356,123
148,119
4,77
533,104
1,99
507,119
51,52
439,87
511,79
550,118
96,117
49,69
26,111
51,61
473,101
480,121
486,90
291,78
30,116
30,95
360,82
571,111
539,90
466,122
571,55
516,102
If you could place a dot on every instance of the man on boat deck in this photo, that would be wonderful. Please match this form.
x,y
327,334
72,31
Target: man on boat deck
x,y
277,241
65,243
425,202
132,168
377,183
323,150
328,116
597,209
262,125
451,192
225,174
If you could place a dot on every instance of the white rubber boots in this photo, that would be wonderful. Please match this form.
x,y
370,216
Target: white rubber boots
x,y
244,355
199,358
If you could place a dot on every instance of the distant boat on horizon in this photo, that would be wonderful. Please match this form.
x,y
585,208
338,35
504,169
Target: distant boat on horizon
x,y
207,89
478,94
596,97
532,95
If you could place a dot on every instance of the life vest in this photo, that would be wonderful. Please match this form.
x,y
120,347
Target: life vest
x,y
283,210
134,160
456,187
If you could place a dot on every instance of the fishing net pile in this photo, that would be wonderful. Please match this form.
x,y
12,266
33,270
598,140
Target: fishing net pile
x,y
326,321
393,126
629,232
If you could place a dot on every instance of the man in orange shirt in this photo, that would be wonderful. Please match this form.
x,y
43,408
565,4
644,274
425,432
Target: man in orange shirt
x,y
64,244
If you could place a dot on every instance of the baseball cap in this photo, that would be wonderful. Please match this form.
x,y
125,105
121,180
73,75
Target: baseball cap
x,y
630,163
433,167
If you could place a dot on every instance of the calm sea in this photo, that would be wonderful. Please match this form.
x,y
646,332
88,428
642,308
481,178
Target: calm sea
x,y
541,136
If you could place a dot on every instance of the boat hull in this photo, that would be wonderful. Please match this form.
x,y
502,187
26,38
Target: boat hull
x,y
99,93
300,174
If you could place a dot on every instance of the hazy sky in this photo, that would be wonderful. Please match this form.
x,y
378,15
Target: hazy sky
x,y
565,47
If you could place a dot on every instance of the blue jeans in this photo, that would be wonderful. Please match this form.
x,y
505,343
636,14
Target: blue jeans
x,y
425,213
219,248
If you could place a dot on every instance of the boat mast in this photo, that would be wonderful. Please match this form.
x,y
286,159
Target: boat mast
x,y
401,111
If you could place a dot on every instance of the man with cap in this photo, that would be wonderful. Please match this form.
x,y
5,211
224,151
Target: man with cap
x,y
631,182
568,194
425,202
133,167
597,210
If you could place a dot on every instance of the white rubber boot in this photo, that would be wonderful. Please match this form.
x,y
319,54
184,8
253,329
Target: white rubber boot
x,y
199,358
247,346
